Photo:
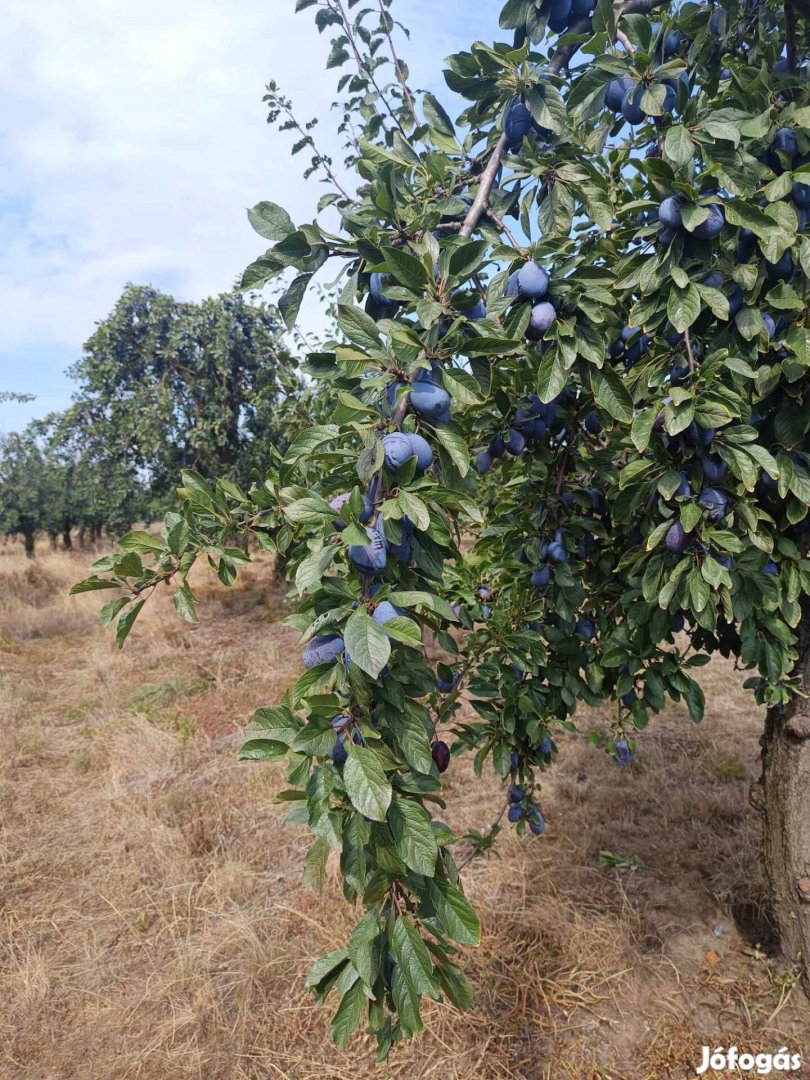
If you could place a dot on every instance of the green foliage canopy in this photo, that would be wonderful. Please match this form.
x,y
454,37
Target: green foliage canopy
x,y
674,364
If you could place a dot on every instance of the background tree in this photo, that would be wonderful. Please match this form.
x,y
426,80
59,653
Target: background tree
x,y
26,483
630,356
171,385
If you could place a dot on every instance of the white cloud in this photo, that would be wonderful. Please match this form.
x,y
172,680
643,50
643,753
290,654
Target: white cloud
x,y
133,138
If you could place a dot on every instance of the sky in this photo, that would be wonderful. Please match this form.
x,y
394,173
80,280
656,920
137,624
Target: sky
x,y
133,137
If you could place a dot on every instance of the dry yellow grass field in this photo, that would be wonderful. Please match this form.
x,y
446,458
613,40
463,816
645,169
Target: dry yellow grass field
x,y
152,924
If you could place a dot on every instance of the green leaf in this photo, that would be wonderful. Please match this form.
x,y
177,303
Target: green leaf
x,y
366,642
314,875
126,622
142,542
325,967
404,630
547,106
611,394
262,750
407,269
462,385
456,913
456,448
359,327
111,609
551,376
185,603
366,784
424,599
290,303
270,221
678,145
683,307
413,836
437,117
93,584
365,933
413,957
467,258
347,1018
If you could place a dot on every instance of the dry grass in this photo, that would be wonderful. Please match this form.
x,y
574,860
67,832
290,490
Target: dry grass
x,y
151,920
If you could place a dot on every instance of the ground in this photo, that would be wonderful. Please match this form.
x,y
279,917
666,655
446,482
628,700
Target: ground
x,y
152,921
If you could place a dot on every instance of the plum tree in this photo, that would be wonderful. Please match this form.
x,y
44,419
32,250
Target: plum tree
x,y
684,510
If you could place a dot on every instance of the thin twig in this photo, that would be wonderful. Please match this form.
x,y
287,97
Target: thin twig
x,y
503,227
689,353
323,161
397,67
363,67
468,858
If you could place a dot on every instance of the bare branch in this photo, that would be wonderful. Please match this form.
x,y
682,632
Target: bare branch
x,y
790,28
481,200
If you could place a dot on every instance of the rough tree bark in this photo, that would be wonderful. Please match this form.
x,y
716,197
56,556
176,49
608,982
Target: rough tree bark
x,y
786,804
29,537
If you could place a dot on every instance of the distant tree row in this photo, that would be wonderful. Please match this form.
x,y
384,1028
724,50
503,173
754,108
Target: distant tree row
x,y
162,386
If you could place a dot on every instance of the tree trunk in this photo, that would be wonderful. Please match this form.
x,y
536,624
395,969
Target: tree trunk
x,y
66,538
28,535
786,802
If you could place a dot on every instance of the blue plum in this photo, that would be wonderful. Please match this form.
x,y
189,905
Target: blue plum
x,y
532,281
669,212
677,538
440,752
559,15
483,463
631,106
615,92
376,288
385,611
714,502
430,401
515,443
712,226
322,650
624,755
398,448
541,577
370,558
338,753
714,468
542,316
517,125
421,448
